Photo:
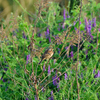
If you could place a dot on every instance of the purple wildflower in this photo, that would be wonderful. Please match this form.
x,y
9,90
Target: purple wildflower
x,y
58,79
59,27
58,87
66,48
97,75
26,99
93,71
5,69
27,59
71,54
63,26
86,83
35,97
94,22
56,37
89,26
75,29
58,40
64,14
49,70
66,76
4,80
40,42
74,23
91,36
48,31
86,25
42,89
39,35
14,33
55,80
47,34
80,22
6,88
51,92
54,61
44,67
72,47
52,70
24,36
99,29
51,98
59,50
49,39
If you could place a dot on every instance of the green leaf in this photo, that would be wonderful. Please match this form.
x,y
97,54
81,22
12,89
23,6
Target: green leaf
x,y
82,26
98,5
35,60
0,98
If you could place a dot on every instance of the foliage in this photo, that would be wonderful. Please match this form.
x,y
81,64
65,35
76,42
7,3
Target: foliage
x,y
74,68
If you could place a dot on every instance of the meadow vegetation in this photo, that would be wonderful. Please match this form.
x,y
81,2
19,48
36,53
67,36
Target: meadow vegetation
x,y
73,73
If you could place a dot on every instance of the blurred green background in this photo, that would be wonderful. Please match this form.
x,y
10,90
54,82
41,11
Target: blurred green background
x,y
8,6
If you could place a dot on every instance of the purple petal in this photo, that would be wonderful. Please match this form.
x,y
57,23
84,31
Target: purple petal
x,y
59,50
54,61
66,47
24,36
93,71
49,39
27,59
97,75
6,88
4,80
44,67
55,80
5,69
63,26
35,97
49,70
94,22
66,76
86,25
64,14
39,35
71,54
80,22
48,31
26,99
99,29
51,98
74,23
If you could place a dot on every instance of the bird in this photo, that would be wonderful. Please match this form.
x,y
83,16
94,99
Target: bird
x,y
47,54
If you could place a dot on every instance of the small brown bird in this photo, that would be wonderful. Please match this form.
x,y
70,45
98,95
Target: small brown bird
x,y
47,54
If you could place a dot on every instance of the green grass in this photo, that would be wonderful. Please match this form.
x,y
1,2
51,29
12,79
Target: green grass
x,y
74,69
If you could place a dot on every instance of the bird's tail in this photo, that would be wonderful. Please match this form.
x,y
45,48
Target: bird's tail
x,y
40,62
